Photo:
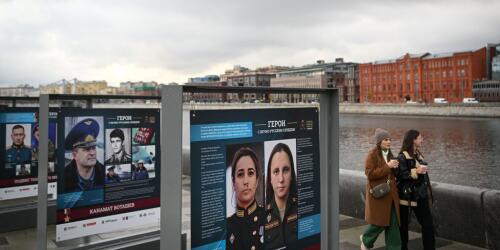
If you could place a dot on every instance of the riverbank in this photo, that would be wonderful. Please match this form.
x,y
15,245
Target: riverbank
x,y
491,110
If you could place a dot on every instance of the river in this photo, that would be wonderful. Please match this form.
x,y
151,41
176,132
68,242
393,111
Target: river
x,y
462,151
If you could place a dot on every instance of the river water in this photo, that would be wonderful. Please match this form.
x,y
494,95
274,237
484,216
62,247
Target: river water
x,y
463,151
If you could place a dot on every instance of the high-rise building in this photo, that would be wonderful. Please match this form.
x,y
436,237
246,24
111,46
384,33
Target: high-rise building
x,y
422,77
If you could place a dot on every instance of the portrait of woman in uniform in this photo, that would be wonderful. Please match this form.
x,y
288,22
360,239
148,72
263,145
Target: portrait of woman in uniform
x,y
245,227
281,197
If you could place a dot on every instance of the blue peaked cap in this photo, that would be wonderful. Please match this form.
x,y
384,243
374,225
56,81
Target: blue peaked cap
x,y
82,135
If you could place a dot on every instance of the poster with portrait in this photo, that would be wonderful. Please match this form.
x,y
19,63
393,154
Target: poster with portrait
x,y
255,179
106,181
19,153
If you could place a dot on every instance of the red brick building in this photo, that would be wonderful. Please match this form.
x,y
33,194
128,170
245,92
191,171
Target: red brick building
x,y
422,77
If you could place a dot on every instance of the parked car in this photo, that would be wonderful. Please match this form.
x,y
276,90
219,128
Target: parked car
x,y
440,100
470,100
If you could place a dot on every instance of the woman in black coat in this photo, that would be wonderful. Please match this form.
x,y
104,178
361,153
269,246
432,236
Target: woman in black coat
x,y
414,190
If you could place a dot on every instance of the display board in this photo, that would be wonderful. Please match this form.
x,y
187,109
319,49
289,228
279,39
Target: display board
x,y
19,158
255,179
108,176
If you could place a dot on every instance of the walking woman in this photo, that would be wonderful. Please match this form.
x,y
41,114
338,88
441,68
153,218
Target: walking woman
x,y
381,211
414,190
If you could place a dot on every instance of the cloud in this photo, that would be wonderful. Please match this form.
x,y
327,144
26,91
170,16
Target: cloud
x,y
42,42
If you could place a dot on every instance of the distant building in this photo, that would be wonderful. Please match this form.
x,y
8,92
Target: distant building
x,y
20,90
249,79
495,68
203,79
140,88
353,83
272,69
209,80
422,77
244,77
337,74
487,91
76,87
236,70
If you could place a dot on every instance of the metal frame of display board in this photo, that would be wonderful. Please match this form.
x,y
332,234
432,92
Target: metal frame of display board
x,y
171,174
14,99
171,116
44,101
28,208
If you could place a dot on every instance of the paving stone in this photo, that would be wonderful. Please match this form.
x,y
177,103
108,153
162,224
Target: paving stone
x,y
350,223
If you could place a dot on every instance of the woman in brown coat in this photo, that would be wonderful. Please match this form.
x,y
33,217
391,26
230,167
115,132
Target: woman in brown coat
x,y
381,213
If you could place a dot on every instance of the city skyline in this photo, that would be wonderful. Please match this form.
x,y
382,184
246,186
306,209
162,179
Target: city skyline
x,y
43,42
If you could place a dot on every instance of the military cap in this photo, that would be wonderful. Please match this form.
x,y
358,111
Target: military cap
x,y
82,135
111,168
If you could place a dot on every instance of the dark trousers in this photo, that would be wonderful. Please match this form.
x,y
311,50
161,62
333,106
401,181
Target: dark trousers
x,y
423,213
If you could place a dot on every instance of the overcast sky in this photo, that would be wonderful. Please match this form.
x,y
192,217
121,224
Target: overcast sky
x,y
170,40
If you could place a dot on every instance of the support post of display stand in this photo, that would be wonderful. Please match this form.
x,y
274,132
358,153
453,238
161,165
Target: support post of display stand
x,y
171,167
329,153
43,163
329,162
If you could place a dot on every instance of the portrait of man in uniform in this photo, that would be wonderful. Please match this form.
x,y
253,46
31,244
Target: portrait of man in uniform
x,y
22,171
18,152
112,176
118,153
84,172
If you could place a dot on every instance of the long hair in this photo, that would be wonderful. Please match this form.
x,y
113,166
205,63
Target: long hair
x,y
245,151
408,139
280,147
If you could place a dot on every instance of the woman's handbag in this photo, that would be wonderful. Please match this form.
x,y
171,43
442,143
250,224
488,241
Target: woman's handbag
x,y
381,189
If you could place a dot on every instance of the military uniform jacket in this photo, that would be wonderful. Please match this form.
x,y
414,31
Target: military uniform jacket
x,y
125,158
71,176
281,233
18,154
245,228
